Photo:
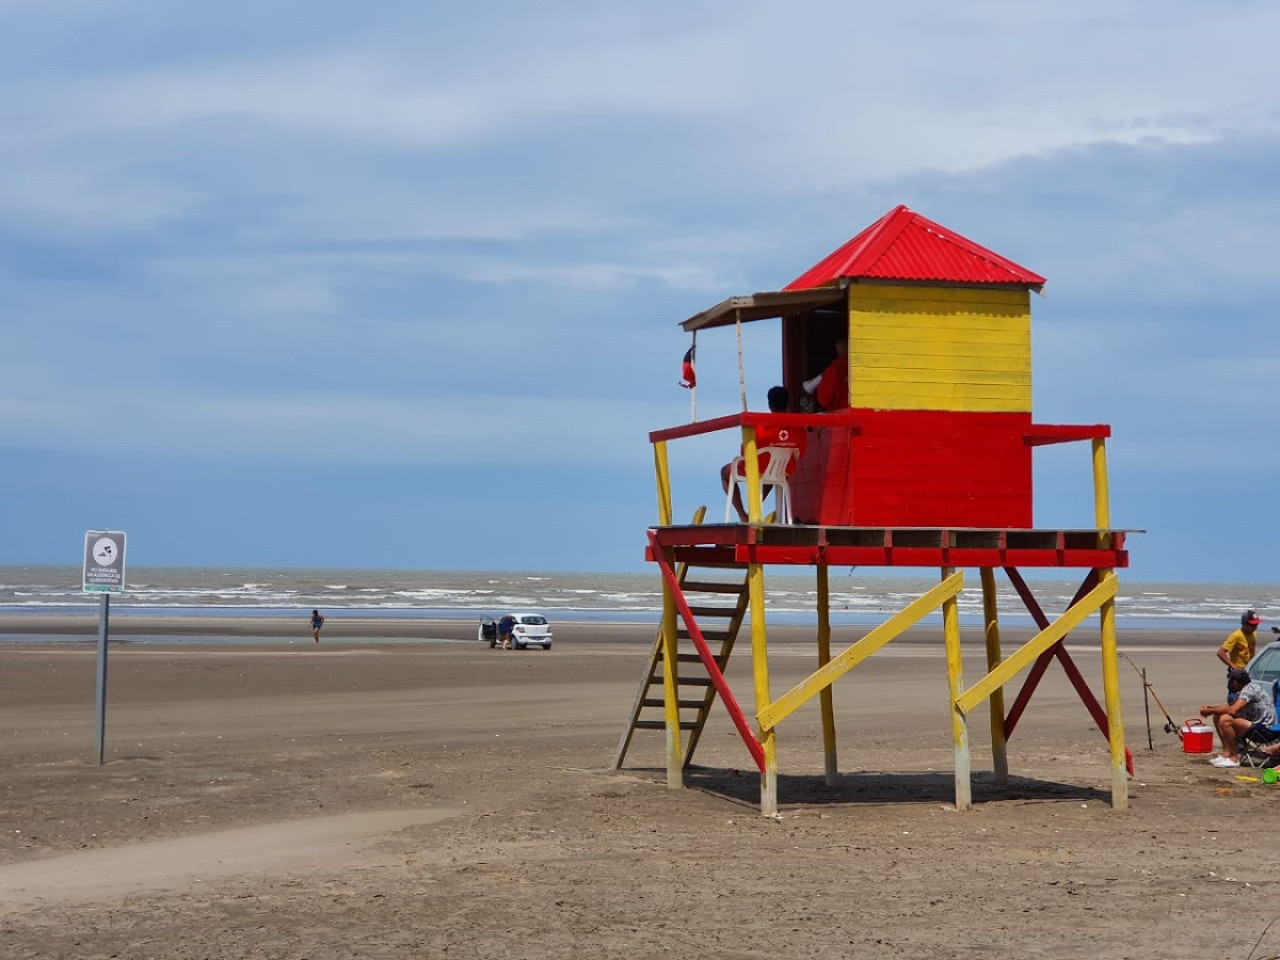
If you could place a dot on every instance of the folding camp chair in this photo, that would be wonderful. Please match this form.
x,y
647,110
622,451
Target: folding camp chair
x,y
1258,736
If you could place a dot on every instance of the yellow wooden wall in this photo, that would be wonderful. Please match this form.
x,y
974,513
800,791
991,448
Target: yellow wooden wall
x,y
940,348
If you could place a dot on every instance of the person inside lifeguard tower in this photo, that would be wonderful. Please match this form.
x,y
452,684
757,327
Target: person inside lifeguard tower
x,y
779,401
830,388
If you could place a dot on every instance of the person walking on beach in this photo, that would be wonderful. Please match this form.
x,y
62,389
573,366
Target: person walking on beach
x,y
317,621
505,625
1238,649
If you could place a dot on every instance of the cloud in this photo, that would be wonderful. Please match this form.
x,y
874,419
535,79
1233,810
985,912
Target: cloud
x,y
276,233
101,412
910,99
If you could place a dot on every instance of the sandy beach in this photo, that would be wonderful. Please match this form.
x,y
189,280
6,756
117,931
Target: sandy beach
x,y
401,792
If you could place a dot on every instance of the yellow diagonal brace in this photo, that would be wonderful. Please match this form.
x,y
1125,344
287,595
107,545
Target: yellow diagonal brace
x,y
1042,641
823,677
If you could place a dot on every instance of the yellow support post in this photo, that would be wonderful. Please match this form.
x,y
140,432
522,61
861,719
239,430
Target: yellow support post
x,y
1111,690
751,470
1107,613
663,473
830,763
955,683
1101,492
670,688
760,670
670,636
999,748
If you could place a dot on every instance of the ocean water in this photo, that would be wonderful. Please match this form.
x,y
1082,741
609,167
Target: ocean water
x,y
856,597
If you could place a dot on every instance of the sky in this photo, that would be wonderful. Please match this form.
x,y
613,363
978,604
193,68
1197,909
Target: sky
x,y
398,285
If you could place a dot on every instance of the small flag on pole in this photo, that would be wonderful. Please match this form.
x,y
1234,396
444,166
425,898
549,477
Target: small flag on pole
x,y
688,376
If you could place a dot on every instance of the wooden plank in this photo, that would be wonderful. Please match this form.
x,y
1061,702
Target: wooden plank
x,y
872,338
719,636
703,612
973,365
683,704
972,400
694,658
886,296
708,586
1039,434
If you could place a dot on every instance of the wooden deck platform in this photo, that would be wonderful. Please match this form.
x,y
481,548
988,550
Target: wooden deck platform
x,y
732,544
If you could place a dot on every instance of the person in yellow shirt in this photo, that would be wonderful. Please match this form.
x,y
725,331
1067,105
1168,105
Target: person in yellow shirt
x,y
1238,649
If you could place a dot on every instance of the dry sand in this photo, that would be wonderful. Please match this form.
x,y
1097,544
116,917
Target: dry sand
x,y
424,796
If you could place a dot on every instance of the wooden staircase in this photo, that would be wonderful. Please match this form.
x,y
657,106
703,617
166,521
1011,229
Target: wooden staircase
x,y
717,595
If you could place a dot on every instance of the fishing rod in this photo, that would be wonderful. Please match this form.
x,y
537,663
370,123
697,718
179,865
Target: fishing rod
x,y
1169,725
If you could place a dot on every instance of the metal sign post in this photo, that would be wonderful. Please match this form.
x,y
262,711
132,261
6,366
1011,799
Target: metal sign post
x,y
103,574
104,614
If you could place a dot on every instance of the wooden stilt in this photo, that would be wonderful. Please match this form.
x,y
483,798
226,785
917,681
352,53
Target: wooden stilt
x,y
830,763
1110,665
1111,690
760,671
662,472
955,683
670,638
670,687
999,747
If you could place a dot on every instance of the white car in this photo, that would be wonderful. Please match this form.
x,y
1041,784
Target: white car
x,y
530,630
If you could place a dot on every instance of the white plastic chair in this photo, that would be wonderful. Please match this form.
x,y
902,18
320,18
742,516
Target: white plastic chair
x,y
775,475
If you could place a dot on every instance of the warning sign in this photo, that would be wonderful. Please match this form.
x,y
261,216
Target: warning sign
x,y
103,561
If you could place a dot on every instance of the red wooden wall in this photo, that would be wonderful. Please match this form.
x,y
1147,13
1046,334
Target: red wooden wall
x,y
918,468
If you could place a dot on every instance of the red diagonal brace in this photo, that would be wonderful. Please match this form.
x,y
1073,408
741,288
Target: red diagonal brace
x,y
1058,650
704,652
1042,662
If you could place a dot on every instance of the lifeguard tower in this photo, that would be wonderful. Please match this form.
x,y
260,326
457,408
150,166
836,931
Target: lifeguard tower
x,y
927,463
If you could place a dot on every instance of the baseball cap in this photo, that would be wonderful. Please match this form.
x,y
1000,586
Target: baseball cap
x,y
1250,617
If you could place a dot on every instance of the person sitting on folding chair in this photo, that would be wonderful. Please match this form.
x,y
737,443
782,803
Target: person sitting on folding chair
x,y
1251,710
766,436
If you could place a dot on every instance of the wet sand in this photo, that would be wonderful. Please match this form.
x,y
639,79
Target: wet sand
x,y
342,627
427,796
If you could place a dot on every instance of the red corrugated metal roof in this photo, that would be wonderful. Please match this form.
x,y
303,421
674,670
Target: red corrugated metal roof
x,y
902,245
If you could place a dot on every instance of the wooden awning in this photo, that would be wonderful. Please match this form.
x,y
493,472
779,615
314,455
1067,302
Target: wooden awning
x,y
763,306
